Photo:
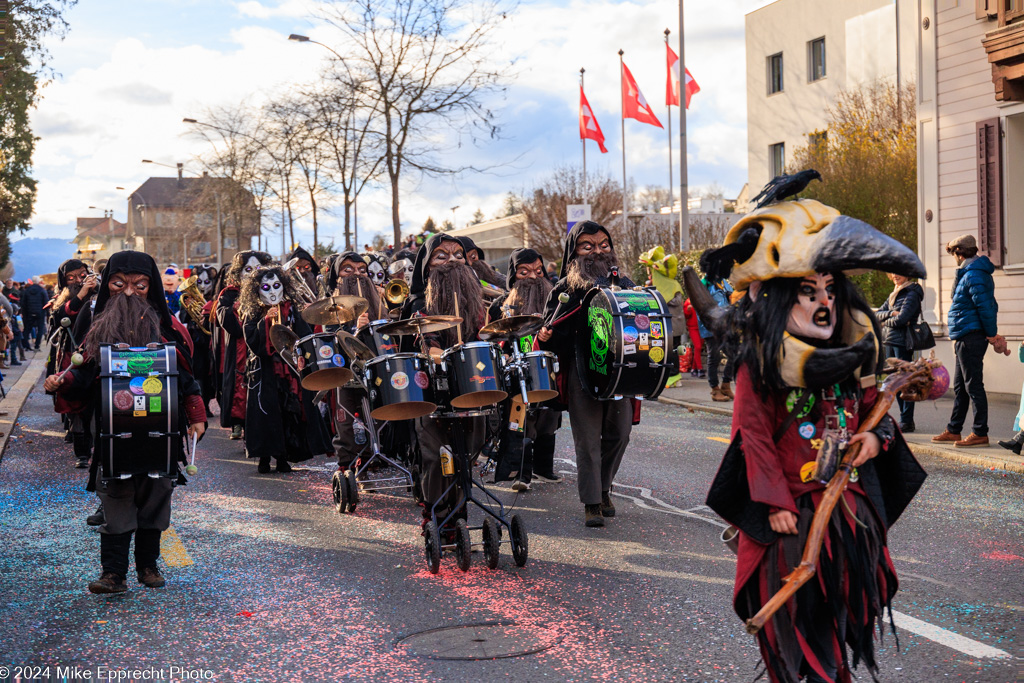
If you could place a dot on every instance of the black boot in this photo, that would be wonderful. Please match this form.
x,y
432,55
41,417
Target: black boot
x,y
83,448
147,550
283,466
264,466
1015,443
114,549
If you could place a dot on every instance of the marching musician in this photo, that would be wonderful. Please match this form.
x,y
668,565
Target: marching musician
x,y
281,421
377,268
484,270
306,266
231,342
76,287
131,309
202,343
529,288
600,429
444,284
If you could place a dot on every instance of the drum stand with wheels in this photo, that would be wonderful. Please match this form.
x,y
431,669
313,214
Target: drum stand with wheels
x,y
345,486
454,523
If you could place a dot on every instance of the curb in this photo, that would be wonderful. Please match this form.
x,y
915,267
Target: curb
x,y
17,396
987,462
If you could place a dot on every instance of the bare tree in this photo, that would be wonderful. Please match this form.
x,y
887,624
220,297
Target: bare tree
x,y
429,64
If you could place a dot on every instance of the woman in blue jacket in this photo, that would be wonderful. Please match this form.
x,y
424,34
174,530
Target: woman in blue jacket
x,y
896,315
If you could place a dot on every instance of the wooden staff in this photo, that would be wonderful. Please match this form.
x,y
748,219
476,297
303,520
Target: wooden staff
x,y
912,376
458,328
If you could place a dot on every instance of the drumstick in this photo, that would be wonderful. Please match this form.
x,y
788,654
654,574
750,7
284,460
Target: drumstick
x,y
458,328
76,360
191,468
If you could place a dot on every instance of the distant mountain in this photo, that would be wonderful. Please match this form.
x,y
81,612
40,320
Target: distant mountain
x,y
33,256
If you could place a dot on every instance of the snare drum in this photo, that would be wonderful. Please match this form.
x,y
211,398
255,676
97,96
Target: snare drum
x,y
623,347
474,376
540,370
138,411
321,363
386,343
400,386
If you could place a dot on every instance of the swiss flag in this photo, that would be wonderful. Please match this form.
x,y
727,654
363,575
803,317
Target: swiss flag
x,y
589,128
672,86
634,106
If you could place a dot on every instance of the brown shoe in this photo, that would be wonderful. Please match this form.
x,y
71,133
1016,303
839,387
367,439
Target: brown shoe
x,y
972,441
109,582
727,390
151,577
946,436
592,515
607,507
717,395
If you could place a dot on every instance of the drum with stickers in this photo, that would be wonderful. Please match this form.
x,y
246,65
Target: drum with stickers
x,y
474,374
386,343
400,386
321,362
139,431
624,344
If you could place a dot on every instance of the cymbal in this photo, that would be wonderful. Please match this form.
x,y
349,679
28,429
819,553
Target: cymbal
x,y
421,325
335,310
353,348
512,327
282,338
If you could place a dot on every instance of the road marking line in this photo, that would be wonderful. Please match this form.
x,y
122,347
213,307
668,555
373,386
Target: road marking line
x,y
719,439
664,507
951,640
173,550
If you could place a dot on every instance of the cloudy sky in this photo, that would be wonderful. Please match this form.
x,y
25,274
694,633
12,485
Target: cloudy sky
x,y
130,70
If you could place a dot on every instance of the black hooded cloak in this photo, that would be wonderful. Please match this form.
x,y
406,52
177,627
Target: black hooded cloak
x,y
517,258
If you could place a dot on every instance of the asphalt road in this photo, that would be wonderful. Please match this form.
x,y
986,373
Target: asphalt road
x,y
267,582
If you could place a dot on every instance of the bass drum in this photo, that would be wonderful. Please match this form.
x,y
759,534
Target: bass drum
x,y
138,411
400,386
624,344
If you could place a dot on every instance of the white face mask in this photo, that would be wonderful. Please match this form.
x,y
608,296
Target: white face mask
x,y
376,272
813,316
205,283
271,290
252,264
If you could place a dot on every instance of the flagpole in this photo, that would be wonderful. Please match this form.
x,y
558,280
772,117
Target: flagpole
x,y
684,218
668,117
625,215
583,141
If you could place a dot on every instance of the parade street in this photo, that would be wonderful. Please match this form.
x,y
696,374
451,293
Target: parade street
x,y
266,581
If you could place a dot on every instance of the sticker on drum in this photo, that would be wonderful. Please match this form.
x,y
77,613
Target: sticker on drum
x,y
657,331
325,352
656,354
642,339
155,404
152,385
300,363
119,365
123,400
378,381
642,321
135,385
140,404
629,335
480,366
628,348
338,359
399,380
421,379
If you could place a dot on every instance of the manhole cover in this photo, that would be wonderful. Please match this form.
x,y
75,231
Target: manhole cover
x,y
485,640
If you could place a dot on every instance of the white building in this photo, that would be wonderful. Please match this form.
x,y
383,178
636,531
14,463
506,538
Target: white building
x,y
800,54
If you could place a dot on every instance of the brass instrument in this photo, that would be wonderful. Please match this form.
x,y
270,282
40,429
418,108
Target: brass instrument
x,y
308,295
273,316
396,291
192,302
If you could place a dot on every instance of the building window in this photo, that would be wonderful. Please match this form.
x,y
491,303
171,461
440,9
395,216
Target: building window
x,y
775,74
818,139
776,159
231,243
200,249
816,59
1013,165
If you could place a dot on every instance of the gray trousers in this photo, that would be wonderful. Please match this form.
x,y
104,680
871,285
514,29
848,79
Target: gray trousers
x,y
137,503
344,442
600,433
432,434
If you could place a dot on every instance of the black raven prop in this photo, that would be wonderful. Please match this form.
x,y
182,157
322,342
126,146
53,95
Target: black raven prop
x,y
783,186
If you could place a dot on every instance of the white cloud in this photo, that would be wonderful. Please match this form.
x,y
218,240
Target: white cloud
x,y
287,8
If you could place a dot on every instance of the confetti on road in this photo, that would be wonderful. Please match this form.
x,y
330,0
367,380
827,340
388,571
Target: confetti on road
x,y
172,550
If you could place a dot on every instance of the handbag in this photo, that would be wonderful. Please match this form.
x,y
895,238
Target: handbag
x,y
919,336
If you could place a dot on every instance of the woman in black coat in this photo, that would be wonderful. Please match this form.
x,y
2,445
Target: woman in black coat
x,y
896,315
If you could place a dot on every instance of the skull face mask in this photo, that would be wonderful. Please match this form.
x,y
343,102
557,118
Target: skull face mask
x,y
376,272
205,283
252,264
271,290
814,314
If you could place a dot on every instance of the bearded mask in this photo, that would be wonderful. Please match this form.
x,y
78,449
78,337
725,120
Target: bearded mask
x,y
271,290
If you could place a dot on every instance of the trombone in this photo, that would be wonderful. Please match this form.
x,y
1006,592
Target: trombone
x,y
396,291
308,295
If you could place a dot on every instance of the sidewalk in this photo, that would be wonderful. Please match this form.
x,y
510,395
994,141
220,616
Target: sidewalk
x,y
18,382
930,419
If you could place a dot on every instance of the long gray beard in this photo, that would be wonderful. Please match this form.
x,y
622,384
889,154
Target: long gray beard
x,y
442,283
125,319
361,285
529,296
584,271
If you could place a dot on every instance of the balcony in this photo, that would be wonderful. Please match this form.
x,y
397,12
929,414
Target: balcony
x,y
1005,48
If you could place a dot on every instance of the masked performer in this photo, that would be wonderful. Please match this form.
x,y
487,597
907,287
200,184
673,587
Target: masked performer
x,y
202,342
281,421
231,342
807,348
662,271
377,268
483,270
600,429
444,284
306,266
131,308
529,289
403,265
